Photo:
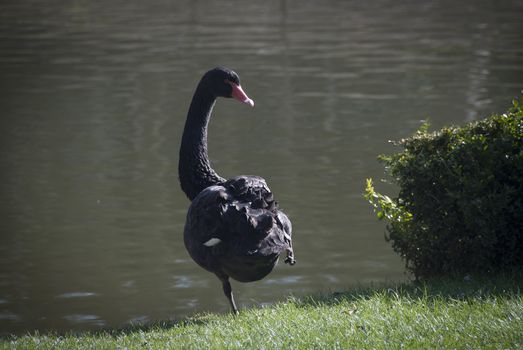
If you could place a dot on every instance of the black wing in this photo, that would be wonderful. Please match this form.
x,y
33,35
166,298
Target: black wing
x,y
239,218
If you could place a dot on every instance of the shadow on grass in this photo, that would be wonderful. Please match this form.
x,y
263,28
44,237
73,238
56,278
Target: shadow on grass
x,y
467,288
158,325
114,332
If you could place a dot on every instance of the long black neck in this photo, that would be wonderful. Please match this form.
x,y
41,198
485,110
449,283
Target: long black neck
x,y
194,169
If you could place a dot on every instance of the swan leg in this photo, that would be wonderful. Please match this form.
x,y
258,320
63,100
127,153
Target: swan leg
x,y
227,290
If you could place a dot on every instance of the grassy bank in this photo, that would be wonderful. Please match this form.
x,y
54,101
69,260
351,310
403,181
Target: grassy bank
x,y
463,314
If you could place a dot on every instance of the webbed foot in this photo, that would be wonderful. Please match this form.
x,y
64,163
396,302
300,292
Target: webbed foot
x,y
290,257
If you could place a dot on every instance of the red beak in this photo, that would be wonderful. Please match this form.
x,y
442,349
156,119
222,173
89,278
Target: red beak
x,y
240,95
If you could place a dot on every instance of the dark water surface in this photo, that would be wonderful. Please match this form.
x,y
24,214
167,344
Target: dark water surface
x,y
93,98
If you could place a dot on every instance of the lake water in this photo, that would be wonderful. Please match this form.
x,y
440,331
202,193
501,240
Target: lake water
x,y
93,98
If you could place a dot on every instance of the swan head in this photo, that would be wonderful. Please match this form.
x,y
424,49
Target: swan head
x,y
224,82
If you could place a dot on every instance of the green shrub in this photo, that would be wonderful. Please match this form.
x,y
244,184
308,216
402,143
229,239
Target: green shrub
x,y
460,203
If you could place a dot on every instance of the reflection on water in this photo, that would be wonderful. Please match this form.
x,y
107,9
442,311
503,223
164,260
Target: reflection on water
x,y
94,96
85,320
76,295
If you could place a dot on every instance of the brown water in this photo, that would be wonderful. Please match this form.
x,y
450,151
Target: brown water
x,y
93,98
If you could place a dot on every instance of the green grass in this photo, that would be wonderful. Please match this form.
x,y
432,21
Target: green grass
x,y
440,314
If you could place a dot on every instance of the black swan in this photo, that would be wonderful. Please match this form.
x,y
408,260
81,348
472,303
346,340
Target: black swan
x,y
234,228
